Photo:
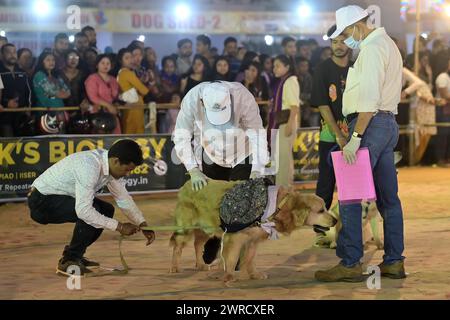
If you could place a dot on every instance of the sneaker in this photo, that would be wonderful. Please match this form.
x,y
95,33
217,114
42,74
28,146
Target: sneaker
x,y
64,264
340,273
393,271
89,263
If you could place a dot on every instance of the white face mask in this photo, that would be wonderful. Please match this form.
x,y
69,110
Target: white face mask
x,y
351,42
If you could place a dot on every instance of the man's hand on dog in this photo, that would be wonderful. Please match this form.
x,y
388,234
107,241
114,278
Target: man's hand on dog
x,y
149,234
127,229
198,179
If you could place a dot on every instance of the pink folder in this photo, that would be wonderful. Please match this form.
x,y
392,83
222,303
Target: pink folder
x,y
354,181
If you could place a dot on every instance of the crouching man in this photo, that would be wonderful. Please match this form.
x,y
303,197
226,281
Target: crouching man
x,y
65,192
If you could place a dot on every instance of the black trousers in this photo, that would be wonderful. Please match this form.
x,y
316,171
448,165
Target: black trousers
x,y
327,180
240,172
57,209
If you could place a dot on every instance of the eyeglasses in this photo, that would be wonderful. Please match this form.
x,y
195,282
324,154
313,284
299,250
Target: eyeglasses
x,y
74,58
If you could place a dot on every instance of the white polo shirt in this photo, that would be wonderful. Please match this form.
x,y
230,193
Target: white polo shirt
x,y
375,80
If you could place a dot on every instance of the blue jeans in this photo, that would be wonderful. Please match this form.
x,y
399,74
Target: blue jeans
x,y
380,137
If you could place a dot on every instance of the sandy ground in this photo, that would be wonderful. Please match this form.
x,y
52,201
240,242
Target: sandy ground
x,y
29,253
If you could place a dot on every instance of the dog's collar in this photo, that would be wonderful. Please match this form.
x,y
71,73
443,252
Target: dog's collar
x,y
280,206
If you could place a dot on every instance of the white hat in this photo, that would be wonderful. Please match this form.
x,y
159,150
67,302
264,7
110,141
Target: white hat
x,y
217,101
346,16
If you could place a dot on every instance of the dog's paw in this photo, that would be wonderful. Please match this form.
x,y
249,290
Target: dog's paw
x,y
202,267
259,276
229,279
174,269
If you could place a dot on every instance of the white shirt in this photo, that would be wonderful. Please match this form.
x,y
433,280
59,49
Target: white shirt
x,y
1,83
81,175
227,145
375,80
443,81
268,226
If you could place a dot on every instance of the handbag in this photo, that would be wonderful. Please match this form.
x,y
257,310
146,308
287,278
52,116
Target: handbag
x,y
130,96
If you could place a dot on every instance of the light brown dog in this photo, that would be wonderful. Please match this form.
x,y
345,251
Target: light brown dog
x,y
201,208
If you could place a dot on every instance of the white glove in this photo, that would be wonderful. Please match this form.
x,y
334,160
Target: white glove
x,y
198,179
255,175
350,150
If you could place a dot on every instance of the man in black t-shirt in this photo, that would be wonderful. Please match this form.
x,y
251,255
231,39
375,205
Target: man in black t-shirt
x,y
328,88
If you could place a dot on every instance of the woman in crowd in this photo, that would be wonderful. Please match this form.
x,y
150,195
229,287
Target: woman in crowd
x,y
286,97
267,69
198,73
254,82
74,79
25,60
49,88
249,57
50,91
170,87
132,88
102,89
222,69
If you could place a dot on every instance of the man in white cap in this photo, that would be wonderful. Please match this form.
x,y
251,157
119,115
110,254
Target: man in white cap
x,y
224,120
369,103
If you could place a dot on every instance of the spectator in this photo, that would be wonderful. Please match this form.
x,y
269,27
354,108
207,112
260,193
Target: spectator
x,y
49,88
303,49
133,119
286,97
249,57
15,91
439,55
422,50
443,115
61,45
92,37
198,73
26,61
170,87
90,58
114,65
152,79
257,87
184,61
214,52
241,53
138,43
308,117
103,90
81,43
289,48
74,79
230,51
255,83
425,71
313,45
3,41
267,69
203,48
222,70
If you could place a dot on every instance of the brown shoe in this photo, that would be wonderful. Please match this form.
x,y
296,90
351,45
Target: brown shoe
x,y
393,271
341,273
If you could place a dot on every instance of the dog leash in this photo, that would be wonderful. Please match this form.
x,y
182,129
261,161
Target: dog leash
x,y
125,268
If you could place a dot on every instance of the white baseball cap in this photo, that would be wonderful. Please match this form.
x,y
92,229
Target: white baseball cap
x,y
346,16
217,101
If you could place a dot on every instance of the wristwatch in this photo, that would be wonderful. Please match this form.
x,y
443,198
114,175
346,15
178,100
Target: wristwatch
x,y
357,135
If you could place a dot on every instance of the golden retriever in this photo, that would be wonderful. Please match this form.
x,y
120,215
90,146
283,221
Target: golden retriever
x,y
201,208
